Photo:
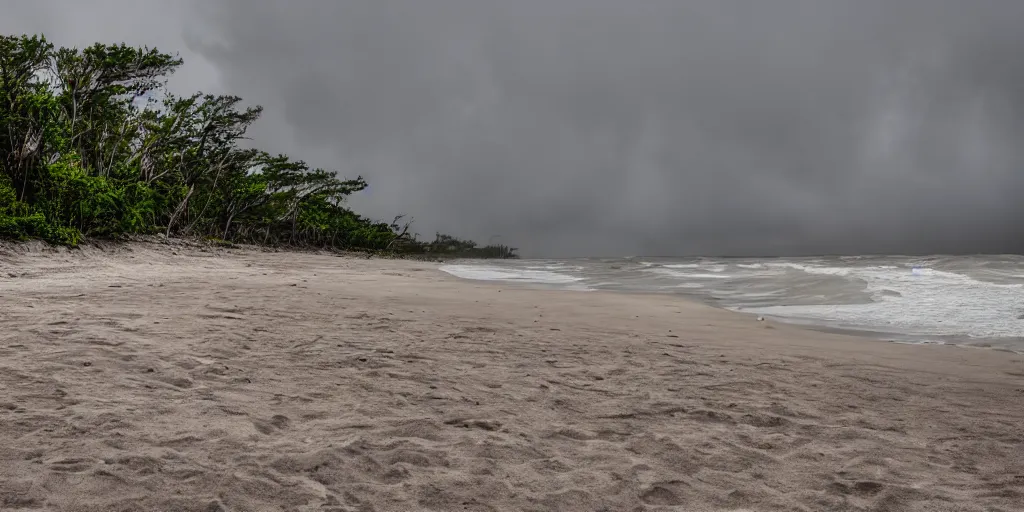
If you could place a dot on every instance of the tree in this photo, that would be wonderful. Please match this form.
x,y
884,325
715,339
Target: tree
x,y
97,90
25,111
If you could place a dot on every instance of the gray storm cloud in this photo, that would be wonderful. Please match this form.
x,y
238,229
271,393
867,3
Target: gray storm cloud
x,y
601,127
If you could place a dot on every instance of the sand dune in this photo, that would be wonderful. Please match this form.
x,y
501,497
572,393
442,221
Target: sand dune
x,y
138,378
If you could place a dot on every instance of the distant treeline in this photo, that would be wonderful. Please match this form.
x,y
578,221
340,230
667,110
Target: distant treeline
x,y
93,145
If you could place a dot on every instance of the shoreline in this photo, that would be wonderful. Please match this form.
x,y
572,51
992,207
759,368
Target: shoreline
x,y
1005,344
139,379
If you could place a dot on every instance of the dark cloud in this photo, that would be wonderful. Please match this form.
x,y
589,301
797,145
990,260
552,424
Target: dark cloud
x,y
577,127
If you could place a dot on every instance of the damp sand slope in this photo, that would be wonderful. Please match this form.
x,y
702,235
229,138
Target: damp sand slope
x,y
144,379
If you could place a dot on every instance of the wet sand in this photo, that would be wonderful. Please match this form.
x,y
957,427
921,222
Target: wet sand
x,y
148,377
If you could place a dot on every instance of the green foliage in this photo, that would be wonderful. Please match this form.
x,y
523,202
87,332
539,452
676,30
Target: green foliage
x,y
87,151
16,220
449,246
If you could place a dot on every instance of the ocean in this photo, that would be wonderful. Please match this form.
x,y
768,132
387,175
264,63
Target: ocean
x,y
963,300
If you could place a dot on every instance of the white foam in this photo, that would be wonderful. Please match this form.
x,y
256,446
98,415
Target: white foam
x,y
554,267
929,301
828,271
689,285
704,267
706,276
921,342
742,294
688,275
488,273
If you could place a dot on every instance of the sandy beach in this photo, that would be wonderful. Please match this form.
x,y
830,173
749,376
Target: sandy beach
x,y
159,378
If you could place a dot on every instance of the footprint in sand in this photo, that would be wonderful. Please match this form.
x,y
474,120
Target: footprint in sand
x,y
71,465
663,495
276,422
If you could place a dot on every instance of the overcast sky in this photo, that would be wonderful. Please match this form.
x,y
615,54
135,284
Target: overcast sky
x,y
607,127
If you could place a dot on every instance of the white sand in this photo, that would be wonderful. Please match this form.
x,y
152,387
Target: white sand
x,y
139,379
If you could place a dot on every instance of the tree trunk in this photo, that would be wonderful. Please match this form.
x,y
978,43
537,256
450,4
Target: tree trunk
x,y
295,220
181,207
227,226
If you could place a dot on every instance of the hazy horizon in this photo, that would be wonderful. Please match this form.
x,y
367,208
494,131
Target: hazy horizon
x,y
589,127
